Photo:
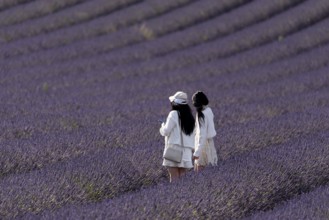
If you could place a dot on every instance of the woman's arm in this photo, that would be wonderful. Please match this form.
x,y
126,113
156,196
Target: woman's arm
x,y
167,127
211,132
201,141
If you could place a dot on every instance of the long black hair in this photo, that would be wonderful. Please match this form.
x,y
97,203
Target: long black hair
x,y
199,101
186,119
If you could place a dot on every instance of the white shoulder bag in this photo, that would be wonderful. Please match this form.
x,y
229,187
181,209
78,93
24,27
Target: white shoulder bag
x,y
174,152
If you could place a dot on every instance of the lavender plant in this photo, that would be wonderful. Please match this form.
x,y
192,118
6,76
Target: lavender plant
x,y
299,42
234,70
271,107
32,10
240,138
313,205
33,148
73,182
65,18
221,25
183,17
6,4
235,189
263,138
248,58
210,30
95,25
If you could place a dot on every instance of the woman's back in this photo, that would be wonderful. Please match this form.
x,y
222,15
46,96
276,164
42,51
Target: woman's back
x,y
206,125
172,131
179,136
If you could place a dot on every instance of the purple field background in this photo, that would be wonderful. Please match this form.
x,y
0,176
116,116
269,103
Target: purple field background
x,y
83,84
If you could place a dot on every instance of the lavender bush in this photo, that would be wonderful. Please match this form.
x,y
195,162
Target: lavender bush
x,y
313,205
298,43
235,189
221,25
53,187
228,69
6,4
77,14
32,10
99,25
248,58
182,18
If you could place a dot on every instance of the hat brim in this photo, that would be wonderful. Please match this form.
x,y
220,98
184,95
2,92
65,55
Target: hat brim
x,y
179,101
171,98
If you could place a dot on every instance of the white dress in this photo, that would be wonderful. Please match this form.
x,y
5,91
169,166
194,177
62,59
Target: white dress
x,y
172,132
208,154
204,143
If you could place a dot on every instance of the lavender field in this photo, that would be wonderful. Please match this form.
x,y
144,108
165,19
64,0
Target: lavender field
x,y
83,84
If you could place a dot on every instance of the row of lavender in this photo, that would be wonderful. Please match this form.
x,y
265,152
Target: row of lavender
x,y
225,70
18,134
98,183
236,107
193,35
312,205
87,177
34,9
236,189
300,42
277,50
158,26
6,4
227,84
302,84
35,144
234,88
95,22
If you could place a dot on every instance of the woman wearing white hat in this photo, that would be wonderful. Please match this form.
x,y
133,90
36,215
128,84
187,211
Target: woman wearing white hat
x,y
179,137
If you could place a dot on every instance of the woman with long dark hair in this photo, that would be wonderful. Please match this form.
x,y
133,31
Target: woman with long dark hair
x,y
205,151
179,136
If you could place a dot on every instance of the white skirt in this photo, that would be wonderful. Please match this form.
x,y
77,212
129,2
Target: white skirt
x,y
208,155
186,160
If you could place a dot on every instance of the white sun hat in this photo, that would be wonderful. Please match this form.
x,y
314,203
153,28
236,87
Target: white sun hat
x,y
179,98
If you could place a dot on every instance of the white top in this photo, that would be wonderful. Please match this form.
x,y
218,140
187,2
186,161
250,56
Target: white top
x,y
171,130
205,131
